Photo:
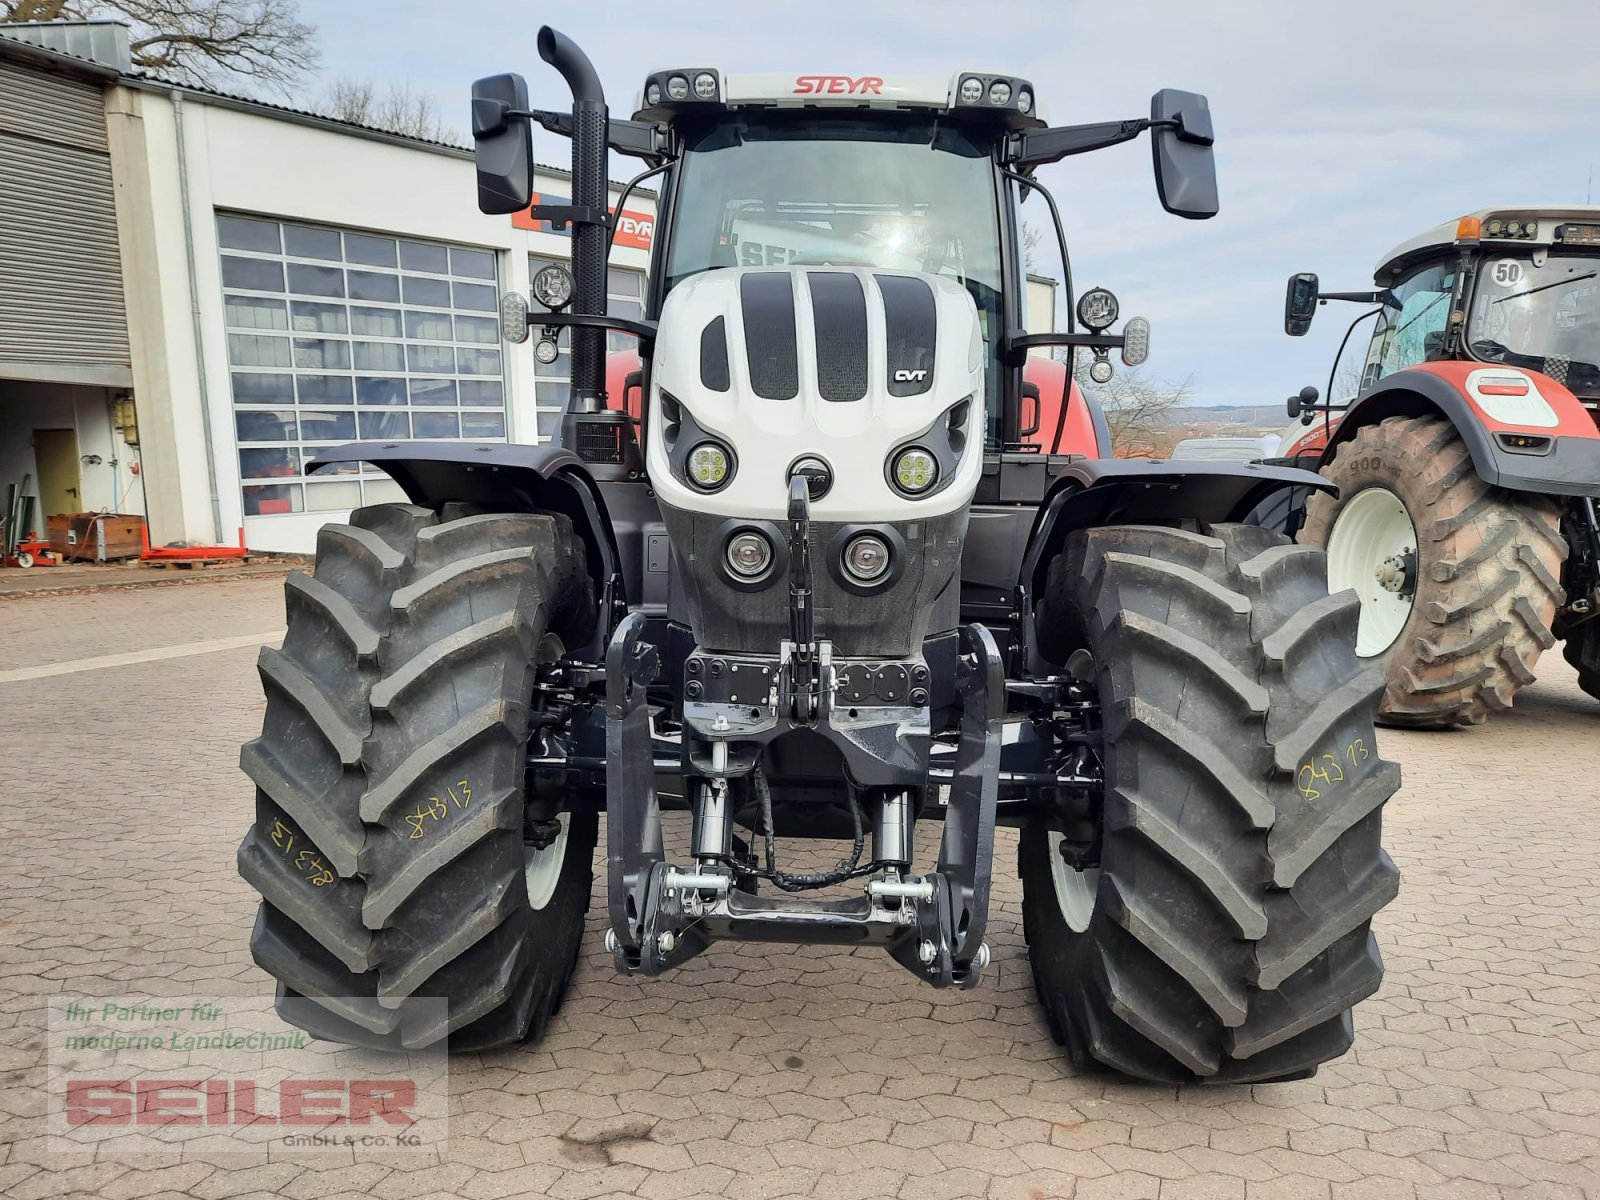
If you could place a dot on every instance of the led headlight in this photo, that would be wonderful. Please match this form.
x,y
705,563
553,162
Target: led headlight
x,y
1024,102
552,287
652,95
707,466
915,471
1097,309
999,92
705,85
749,554
866,558
677,88
971,90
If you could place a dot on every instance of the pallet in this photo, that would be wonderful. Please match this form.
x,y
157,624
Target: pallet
x,y
196,564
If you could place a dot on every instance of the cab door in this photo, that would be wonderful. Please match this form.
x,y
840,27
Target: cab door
x,y
1412,329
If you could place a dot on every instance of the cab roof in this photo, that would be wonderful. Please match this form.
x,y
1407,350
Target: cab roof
x,y
1544,218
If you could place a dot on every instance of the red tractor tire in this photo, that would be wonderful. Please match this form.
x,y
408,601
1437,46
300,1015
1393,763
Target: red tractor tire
x,y
1482,574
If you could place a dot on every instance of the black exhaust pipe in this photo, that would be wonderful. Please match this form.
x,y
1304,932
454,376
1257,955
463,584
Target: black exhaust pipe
x,y
589,241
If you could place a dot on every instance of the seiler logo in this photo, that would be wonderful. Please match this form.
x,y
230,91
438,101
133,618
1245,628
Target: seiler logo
x,y
223,1101
838,85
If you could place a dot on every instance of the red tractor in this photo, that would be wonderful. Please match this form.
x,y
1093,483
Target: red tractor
x,y
1467,460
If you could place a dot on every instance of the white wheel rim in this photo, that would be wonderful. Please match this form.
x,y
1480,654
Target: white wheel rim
x,y
542,868
1075,890
1371,533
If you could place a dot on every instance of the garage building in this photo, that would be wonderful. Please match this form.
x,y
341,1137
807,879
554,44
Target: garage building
x,y
199,290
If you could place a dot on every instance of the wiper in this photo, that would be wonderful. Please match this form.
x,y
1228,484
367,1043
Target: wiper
x,y
1442,296
1545,287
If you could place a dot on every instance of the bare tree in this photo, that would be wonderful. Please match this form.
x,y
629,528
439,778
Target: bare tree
x,y
197,41
397,108
1031,237
1139,410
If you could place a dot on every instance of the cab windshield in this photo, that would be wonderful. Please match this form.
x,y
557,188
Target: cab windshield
x,y
1545,317
901,194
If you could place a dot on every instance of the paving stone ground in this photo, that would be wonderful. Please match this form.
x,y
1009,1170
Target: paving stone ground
x,y
769,1072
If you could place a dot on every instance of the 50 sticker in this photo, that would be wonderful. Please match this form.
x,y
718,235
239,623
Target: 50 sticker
x,y
1327,770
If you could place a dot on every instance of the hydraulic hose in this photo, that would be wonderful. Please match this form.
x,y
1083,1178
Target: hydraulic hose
x,y
846,868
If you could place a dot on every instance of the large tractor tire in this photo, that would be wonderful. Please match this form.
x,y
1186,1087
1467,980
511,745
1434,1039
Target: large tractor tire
x,y
1223,931
389,843
1459,581
1582,650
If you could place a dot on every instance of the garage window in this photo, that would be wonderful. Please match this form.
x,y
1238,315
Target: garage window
x,y
335,335
624,297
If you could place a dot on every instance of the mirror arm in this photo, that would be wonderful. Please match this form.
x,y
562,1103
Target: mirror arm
x,y
1038,147
1382,297
638,139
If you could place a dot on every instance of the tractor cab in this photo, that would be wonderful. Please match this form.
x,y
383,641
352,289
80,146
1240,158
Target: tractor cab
x,y
892,174
1509,287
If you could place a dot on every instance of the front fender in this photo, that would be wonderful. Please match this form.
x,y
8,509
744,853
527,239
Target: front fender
x,y
1122,491
498,476
1568,463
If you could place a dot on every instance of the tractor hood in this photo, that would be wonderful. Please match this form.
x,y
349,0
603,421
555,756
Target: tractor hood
x,y
850,368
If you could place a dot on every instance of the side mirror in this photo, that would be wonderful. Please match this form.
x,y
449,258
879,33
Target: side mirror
x,y
502,143
1299,304
1303,405
1186,171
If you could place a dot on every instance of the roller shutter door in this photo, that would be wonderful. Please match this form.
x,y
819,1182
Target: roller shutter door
x,y
62,313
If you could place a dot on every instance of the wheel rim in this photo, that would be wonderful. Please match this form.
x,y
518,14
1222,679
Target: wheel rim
x,y
1075,890
1372,550
542,867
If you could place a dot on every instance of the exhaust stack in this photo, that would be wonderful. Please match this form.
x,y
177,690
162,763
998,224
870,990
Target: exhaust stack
x,y
590,238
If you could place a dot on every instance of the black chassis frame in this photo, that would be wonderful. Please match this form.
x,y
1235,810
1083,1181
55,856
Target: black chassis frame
x,y
596,717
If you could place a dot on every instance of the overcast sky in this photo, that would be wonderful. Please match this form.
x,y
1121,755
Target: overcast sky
x,y
1342,128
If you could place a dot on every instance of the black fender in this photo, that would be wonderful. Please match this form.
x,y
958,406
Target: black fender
x,y
502,477
1124,491
1569,466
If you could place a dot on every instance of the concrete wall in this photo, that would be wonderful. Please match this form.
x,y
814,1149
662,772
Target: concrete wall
x,y
108,484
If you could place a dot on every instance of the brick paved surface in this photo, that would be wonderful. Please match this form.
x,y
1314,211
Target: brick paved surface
x,y
781,1071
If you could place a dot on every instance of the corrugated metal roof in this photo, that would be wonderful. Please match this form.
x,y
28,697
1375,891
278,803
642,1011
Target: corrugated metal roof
x,y
152,79
102,42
